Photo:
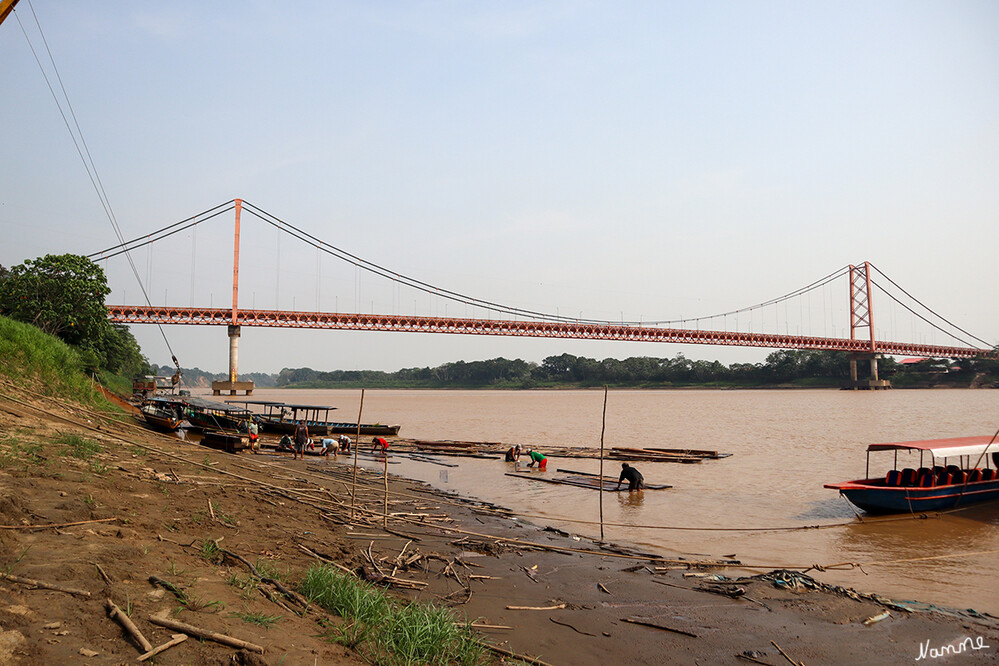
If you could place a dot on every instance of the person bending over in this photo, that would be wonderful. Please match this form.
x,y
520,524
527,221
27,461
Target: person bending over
x,y
634,478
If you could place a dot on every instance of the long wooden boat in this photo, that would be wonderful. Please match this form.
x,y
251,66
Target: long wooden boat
x,y
934,484
162,415
283,418
211,415
229,441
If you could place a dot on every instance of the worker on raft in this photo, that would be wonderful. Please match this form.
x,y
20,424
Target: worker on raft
x,y
513,453
344,444
254,431
380,445
286,444
537,459
635,479
328,446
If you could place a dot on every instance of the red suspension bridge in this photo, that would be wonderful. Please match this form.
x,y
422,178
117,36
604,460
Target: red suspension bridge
x,y
862,342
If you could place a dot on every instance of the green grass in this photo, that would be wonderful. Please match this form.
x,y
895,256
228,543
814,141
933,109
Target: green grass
x,y
78,447
388,631
210,551
29,357
265,621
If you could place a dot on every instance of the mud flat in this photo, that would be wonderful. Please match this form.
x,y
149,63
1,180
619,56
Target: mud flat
x,y
118,520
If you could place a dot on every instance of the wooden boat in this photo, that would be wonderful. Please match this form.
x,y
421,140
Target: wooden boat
x,y
282,418
229,441
163,415
928,487
585,480
210,415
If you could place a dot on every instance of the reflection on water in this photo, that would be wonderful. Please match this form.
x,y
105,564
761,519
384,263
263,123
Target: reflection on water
x,y
786,445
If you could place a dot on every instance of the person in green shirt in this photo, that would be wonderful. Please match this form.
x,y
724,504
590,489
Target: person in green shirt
x,y
537,458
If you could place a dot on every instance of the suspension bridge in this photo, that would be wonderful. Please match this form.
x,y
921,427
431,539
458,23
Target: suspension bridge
x,y
861,282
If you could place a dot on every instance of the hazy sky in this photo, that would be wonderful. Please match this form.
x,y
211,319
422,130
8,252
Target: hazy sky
x,y
636,160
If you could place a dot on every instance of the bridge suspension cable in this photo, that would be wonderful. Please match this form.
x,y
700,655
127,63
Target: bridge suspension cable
x,y
925,307
376,269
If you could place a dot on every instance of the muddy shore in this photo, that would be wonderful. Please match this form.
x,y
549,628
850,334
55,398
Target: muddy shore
x,y
160,500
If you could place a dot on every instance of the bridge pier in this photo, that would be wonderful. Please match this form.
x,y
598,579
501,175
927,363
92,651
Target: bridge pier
x,y
872,382
232,385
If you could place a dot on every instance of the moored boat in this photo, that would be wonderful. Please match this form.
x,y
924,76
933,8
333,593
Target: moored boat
x,y
210,415
162,415
935,483
282,418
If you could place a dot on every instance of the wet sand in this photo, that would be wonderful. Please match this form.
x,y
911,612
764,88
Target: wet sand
x,y
158,491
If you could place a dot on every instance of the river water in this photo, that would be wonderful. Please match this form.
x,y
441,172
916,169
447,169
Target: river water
x,y
785,443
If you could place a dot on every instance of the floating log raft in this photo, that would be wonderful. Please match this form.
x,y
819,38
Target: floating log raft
x,y
591,481
491,450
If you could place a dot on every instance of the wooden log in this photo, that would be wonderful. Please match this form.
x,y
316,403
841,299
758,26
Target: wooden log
x,y
125,621
191,630
175,639
540,608
527,659
40,584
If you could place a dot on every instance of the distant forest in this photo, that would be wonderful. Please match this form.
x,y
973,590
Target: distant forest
x,y
781,368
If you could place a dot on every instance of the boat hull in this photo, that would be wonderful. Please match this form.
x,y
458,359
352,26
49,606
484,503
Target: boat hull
x,y
873,498
228,441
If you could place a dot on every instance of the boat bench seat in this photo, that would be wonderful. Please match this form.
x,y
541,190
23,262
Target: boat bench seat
x,y
974,475
988,474
893,478
908,477
960,476
925,478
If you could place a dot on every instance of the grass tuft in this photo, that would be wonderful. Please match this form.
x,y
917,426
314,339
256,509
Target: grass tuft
x,y
394,633
76,446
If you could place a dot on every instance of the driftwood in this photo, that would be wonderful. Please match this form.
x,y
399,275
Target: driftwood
x,y
513,655
659,626
781,650
125,621
555,607
175,639
190,629
44,527
40,584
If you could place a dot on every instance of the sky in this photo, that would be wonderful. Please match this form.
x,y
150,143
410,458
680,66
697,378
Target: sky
x,y
637,161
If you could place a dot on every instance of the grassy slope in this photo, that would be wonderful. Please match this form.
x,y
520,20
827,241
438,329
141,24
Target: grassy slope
x,y
48,365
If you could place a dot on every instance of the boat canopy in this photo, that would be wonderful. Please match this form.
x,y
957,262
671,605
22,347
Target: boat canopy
x,y
212,405
944,448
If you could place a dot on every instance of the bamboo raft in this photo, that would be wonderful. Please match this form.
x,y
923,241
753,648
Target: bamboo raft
x,y
586,480
491,450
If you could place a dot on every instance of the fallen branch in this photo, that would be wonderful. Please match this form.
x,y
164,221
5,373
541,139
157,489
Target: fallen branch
x,y
659,626
125,621
40,584
781,650
176,639
555,607
204,633
44,527
566,624
527,659
100,570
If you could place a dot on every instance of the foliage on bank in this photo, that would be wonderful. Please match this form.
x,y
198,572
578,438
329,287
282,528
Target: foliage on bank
x,y
801,368
63,295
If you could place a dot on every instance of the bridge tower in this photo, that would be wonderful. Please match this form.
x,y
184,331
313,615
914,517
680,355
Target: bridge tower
x,y
861,316
232,385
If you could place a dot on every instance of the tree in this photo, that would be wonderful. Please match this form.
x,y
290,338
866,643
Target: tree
x,y
61,294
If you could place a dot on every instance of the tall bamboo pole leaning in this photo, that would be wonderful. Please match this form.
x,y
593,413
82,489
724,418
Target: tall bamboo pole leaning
x,y
385,480
357,443
603,428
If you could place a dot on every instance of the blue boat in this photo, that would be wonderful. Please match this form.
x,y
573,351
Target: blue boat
x,y
935,483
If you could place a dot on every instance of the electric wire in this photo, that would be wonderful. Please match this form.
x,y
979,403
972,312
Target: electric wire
x,y
89,166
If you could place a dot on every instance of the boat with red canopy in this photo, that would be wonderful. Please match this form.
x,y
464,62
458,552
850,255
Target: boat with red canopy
x,y
947,473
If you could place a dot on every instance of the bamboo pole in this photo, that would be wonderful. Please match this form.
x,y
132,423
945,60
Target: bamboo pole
x,y
192,630
385,481
603,428
357,443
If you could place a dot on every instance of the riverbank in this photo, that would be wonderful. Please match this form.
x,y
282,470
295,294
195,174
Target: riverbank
x,y
160,501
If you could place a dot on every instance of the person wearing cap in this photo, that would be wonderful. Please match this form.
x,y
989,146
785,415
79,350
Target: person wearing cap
x,y
513,453
537,459
635,479
344,444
